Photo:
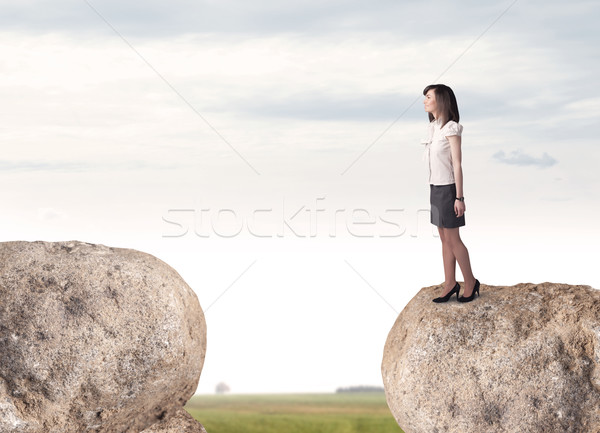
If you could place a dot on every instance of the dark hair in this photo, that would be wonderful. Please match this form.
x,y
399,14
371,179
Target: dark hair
x,y
446,102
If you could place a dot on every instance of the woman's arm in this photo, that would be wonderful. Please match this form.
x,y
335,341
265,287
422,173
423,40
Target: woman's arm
x,y
455,149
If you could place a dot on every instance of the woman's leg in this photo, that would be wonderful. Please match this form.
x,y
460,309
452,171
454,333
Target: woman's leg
x,y
449,262
459,251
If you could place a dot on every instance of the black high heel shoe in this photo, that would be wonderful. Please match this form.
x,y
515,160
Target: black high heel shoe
x,y
470,298
448,295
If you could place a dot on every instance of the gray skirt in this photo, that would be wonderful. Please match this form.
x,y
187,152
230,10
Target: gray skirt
x,y
442,199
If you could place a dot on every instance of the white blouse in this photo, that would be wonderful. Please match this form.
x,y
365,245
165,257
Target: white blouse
x,y
437,151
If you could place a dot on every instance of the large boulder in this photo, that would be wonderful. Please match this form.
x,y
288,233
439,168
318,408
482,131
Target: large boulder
x,y
517,359
180,422
94,339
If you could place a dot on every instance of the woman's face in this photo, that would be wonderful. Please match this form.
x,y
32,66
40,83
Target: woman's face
x,y
429,102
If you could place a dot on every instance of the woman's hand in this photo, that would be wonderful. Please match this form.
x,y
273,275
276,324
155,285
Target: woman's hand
x,y
459,208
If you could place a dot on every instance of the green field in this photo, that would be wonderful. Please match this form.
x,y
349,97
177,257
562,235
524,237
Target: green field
x,y
294,413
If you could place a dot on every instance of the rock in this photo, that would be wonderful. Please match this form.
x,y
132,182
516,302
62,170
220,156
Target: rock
x,y
517,359
180,422
94,339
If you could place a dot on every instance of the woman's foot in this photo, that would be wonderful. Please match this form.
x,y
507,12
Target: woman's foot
x,y
448,295
470,297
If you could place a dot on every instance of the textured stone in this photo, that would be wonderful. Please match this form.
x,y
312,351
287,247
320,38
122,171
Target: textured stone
x,y
180,422
93,339
517,359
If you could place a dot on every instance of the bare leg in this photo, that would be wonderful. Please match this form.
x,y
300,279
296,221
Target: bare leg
x,y
449,263
460,252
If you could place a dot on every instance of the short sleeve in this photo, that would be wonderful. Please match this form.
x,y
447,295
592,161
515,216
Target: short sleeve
x,y
452,128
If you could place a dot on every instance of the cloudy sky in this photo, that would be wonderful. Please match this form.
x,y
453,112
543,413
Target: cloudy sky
x,y
269,151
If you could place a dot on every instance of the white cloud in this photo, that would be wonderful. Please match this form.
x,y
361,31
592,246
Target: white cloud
x,y
518,157
158,19
48,214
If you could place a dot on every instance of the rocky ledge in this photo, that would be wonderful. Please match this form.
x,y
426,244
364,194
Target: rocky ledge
x,y
523,358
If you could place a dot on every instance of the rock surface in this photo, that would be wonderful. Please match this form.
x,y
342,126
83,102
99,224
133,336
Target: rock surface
x,y
180,422
524,358
94,339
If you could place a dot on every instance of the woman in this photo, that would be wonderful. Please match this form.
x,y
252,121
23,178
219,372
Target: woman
x,y
443,152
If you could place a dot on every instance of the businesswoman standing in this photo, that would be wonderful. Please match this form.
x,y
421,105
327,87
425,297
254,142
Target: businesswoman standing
x,y
444,155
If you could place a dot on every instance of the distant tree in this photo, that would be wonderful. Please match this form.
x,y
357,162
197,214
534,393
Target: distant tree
x,y
361,388
222,388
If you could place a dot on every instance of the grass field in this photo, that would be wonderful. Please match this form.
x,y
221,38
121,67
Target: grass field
x,y
294,413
